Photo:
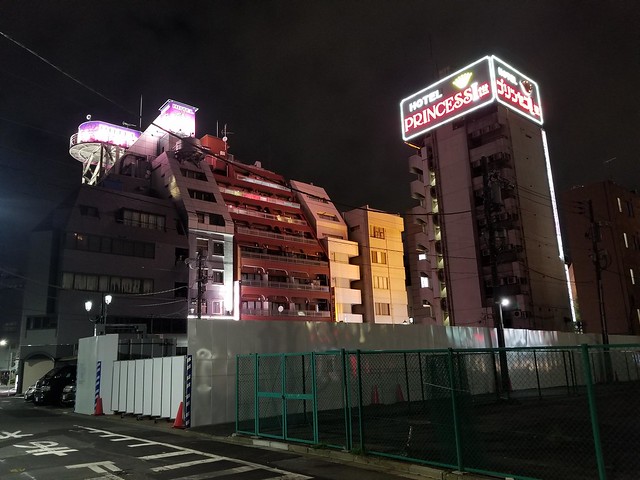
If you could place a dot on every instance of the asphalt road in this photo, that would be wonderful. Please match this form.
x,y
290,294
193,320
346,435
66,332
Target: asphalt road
x,y
54,443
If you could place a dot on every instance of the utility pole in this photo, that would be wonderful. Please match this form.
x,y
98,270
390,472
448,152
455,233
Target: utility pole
x,y
489,207
199,295
594,233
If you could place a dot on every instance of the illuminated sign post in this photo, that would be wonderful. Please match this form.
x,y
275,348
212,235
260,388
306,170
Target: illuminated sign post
x,y
481,83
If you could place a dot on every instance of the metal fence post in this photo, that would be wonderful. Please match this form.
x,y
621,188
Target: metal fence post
x,y
360,421
314,387
454,408
346,402
602,475
406,381
535,363
256,409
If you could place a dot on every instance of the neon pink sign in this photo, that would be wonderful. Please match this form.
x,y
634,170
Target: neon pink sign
x,y
481,83
103,132
178,118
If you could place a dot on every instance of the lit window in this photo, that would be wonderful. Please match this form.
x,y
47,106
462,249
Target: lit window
x,y
382,309
378,257
619,205
422,256
633,278
377,232
424,281
626,240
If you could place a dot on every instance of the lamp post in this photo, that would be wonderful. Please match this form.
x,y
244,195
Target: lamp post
x,y
102,318
502,354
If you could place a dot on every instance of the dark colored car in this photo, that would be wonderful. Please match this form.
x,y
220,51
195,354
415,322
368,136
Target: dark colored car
x,y
49,388
28,393
68,397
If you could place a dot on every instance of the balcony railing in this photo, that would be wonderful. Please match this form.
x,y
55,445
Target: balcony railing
x,y
267,216
284,313
286,285
283,258
255,196
276,236
263,182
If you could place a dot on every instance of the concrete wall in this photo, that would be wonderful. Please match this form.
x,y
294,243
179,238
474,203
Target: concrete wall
x,y
215,344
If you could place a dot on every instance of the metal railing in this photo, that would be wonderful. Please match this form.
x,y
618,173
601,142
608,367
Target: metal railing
x,y
285,285
566,413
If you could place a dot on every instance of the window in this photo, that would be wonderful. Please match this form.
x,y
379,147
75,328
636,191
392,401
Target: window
x,y
218,248
99,244
626,240
633,278
382,309
193,174
140,219
217,277
210,218
200,195
328,216
424,280
105,283
41,323
630,208
377,232
619,204
381,282
378,257
422,256
202,247
89,211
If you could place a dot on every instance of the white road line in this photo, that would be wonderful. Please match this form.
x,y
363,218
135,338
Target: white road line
x,y
145,444
219,473
163,455
175,466
281,474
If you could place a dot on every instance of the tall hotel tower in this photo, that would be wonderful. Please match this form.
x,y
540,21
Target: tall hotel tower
x,y
484,240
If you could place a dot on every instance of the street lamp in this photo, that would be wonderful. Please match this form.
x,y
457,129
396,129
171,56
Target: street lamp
x,y
502,353
102,318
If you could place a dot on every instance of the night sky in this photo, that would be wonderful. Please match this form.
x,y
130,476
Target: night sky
x,y
310,89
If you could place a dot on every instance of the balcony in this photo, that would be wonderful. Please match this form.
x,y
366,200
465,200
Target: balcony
x,y
259,198
284,259
263,183
266,216
285,285
276,236
284,313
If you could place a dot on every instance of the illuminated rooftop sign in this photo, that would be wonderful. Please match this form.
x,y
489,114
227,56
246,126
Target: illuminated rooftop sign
x,y
103,132
178,118
481,83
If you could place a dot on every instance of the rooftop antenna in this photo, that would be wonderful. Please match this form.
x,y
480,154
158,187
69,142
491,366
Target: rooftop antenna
x,y
140,117
607,165
225,136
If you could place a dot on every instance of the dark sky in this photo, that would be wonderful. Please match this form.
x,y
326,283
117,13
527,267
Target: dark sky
x,y
311,89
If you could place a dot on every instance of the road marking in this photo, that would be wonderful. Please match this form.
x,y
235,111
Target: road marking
x,y
105,467
164,455
47,448
145,444
175,466
5,435
210,457
219,473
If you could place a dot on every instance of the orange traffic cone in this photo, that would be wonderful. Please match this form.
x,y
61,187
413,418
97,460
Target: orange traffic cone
x,y
98,410
399,394
375,396
179,422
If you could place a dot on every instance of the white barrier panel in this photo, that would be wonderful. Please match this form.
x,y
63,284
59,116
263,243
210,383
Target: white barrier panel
x,y
150,387
155,390
177,382
131,385
166,388
139,387
115,388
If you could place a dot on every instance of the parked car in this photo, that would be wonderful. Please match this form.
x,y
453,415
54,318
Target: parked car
x,y
68,397
49,388
28,393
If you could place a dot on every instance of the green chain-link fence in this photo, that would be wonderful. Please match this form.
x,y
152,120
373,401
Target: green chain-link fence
x,y
556,413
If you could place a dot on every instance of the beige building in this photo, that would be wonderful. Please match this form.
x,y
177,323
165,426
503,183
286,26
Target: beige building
x,y
381,263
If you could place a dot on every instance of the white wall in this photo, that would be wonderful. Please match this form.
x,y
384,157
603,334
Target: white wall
x,y
102,348
215,344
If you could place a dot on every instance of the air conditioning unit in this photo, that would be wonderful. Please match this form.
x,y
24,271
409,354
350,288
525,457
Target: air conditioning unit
x,y
520,314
